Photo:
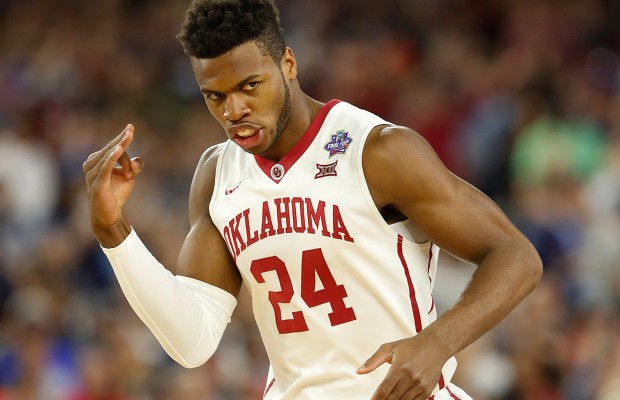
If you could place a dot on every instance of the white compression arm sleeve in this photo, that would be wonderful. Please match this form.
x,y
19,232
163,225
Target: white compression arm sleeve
x,y
187,316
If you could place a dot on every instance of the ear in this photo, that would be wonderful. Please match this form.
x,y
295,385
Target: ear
x,y
288,64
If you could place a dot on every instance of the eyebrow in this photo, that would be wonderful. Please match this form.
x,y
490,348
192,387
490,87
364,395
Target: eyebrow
x,y
237,86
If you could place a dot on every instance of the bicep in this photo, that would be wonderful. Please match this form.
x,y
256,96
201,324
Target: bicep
x,y
444,208
204,255
461,220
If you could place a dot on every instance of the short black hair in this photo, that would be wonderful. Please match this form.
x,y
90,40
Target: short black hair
x,y
214,27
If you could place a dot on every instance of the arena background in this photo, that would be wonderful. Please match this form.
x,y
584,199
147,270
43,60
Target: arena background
x,y
519,97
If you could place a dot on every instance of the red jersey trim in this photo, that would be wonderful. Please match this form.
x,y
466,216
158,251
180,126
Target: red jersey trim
x,y
432,305
455,397
269,387
430,259
451,395
300,147
414,304
441,386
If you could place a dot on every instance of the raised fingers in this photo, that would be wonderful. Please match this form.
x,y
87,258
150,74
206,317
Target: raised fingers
x,y
96,157
137,164
124,165
107,164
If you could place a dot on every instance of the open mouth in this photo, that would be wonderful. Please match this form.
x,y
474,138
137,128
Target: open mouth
x,y
246,135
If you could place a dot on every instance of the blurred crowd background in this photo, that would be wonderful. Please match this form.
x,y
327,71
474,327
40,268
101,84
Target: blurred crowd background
x,y
519,97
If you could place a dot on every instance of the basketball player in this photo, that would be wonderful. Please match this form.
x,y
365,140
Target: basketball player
x,y
331,216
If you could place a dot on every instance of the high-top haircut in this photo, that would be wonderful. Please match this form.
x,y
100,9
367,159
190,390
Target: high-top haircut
x,y
214,27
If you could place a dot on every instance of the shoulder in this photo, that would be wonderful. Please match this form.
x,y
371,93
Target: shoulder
x,y
398,161
208,159
398,148
392,140
203,182
207,166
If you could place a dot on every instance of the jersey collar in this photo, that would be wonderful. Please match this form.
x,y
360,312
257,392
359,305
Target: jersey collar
x,y
276,170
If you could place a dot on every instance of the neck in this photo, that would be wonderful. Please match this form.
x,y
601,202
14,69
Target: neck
x,y
303,111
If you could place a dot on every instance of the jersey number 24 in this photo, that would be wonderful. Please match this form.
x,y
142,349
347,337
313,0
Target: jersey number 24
x,y
313,264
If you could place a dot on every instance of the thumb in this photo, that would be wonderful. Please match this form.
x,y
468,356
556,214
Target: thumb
x,y
136,165
383,355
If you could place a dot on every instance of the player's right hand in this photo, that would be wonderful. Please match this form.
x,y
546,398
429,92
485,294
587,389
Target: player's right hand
x,y
110,176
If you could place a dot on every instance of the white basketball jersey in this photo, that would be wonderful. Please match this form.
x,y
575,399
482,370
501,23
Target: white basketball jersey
x,y
330,280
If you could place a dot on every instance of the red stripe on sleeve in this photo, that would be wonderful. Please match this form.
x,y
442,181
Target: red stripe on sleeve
x,y
269,387
414,305
430,258
432,304
455,397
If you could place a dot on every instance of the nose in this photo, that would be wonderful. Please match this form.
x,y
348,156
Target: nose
x,y
235,107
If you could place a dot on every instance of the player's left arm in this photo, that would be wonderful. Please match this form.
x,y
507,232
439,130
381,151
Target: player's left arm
x,y
402,170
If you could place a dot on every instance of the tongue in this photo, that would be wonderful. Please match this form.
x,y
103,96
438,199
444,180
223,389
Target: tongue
x,y
250,141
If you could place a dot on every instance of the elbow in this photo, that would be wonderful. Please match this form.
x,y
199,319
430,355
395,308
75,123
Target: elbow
x,y
188,365
534,267
189,355
189,361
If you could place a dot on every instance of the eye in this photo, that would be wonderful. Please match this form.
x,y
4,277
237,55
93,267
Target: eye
x,y
214,96
250,86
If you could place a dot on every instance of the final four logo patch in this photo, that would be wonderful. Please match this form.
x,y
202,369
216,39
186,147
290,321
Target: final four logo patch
x,y
339,143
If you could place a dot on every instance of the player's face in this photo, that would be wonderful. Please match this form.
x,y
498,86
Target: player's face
x,y
248,93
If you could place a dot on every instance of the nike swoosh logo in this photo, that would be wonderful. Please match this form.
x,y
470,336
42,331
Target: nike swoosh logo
x,y
229,191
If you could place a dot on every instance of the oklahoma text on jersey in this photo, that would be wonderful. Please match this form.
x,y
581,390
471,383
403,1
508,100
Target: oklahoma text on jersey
x,y
285,215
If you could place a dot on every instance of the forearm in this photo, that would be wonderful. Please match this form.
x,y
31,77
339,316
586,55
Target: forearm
x,y
502,280
186,316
